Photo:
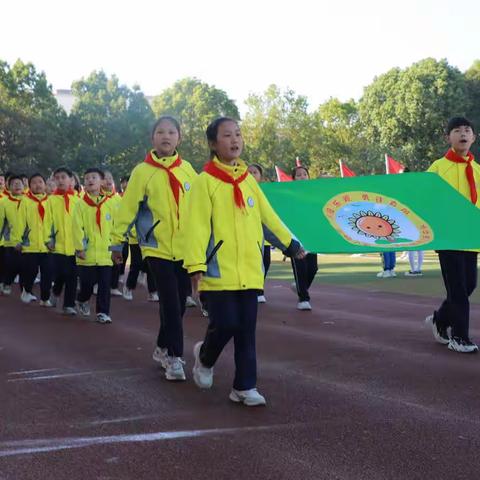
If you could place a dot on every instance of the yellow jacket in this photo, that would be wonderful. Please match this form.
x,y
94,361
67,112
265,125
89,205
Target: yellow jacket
x,y
148,205
454,174
58,224
28,230
8,219
214,217
87,234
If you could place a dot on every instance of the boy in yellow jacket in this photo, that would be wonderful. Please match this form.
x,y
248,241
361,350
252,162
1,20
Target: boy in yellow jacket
x,y
154,203
224,236
459,268
9,207
58,235
92,225
28,236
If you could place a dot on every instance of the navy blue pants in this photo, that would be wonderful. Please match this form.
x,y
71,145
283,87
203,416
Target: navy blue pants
x,y
89,276
389,260
137,265
304,271
459,272
171,281
267,258
64,273
2,264
13,265
233,314
31,264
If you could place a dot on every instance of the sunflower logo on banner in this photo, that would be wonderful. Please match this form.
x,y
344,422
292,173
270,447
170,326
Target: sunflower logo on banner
x,y
373,219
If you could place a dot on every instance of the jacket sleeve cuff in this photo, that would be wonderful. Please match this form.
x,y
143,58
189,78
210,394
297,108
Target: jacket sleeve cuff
x,y
293,248
116,248
201,268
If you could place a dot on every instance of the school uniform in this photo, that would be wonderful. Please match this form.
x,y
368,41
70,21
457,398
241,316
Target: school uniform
x,y
459,268
29,233
58,232
115,199
228,220
154,203
92,226
9,209
2,246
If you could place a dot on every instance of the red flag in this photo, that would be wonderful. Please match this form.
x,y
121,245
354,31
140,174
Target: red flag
x,y
282,176
345,171
392,166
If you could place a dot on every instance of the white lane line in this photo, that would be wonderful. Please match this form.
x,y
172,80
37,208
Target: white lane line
x,y
69,375
120,420
27,372
23,447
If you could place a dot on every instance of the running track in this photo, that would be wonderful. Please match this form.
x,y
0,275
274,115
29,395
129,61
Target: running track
x,y
356,389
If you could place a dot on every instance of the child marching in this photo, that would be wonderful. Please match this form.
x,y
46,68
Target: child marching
x,y
224,240
154,203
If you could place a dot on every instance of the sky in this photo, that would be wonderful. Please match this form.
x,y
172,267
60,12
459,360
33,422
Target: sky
x,y
320,49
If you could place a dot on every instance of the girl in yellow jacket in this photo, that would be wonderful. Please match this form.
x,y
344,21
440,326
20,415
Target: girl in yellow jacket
x,y
459,268
59,239
228,219
154,203
92,225
28,237
9,208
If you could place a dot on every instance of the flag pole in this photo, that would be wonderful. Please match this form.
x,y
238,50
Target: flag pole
x,y
386,164
341,168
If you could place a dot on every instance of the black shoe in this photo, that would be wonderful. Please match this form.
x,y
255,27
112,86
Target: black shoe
x,y
440,334
462,345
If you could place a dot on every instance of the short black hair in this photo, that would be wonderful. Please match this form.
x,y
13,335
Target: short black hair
x,y
212,130
95,170
8,174
13,177
34,176
23,175
456,122
168,118
63,170
125,179
298,167
258,167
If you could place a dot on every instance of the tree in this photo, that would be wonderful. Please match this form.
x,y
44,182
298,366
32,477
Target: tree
x,y
195,104
404,111
472,77
110,124
32,124
277,129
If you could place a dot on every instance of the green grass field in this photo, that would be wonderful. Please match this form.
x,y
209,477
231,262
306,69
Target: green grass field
x,y
360,272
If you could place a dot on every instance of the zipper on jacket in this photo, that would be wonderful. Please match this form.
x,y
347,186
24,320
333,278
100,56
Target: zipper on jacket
x,y
150,230
214,251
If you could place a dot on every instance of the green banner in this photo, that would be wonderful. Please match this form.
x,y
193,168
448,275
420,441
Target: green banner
x,y
412,211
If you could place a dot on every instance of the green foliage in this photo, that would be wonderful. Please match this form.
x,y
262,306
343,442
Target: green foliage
x,y
109,124
194,104
31,122
404,111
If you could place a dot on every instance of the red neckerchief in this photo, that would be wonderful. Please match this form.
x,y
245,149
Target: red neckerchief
x,y
41,208
175,184
216,172
65,194
13,199
453,156
98,215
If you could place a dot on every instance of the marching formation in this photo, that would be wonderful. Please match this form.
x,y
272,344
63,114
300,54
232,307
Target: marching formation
x,y
204,237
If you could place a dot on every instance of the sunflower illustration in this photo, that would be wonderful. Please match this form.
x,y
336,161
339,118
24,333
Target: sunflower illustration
x,y
374,225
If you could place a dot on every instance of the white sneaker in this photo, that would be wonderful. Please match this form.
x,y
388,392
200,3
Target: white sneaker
x,y
383,274
439,334
250,398
392,273
7,290
45,303
462,346
69,311
127,293
174,370
27,297
115,292
202,376
190,302
160,355
83,308
261,299
53,300
153,297
304,306
103,318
